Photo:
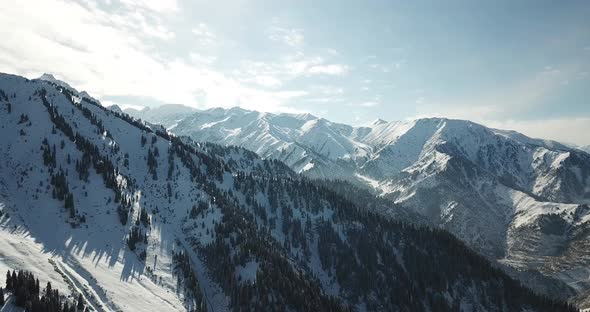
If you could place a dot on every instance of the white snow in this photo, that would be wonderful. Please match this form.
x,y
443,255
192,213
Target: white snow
x,y
307,167
247,272
371,182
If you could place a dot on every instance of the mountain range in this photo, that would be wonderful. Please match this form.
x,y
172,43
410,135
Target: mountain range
x,y
124,215
518,200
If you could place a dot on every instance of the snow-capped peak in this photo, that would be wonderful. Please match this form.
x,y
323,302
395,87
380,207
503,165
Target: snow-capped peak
x,y
50,78
115,108
378,121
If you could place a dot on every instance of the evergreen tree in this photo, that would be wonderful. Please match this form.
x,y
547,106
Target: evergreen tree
x,y
14,280
1,297
26,294
8,280
80,306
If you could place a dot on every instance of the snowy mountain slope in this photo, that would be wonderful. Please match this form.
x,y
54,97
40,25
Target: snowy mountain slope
x,y
92,252
382,150
301,141
458,174
386,152
137,219
479,185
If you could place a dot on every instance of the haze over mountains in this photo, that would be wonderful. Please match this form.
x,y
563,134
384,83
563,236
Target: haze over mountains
x,y
520,200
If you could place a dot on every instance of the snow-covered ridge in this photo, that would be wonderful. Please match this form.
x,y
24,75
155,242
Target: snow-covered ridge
x,y
461,175
380,151
52,79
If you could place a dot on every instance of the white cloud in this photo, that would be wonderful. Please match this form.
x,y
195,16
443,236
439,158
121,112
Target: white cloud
x,y
199,59
267,81
204,35
122,105
326,100
289,67
143,18
387,68
330,69
159,6
299,64
290,36
328,90
148,25
369,104
126,106
269,101
106,55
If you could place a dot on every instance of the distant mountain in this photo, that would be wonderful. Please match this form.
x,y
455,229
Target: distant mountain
x,y
50,78
115,108
302,141
517,199
167,115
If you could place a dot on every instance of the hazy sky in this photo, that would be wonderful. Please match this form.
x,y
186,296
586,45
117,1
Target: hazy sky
x,y
521,65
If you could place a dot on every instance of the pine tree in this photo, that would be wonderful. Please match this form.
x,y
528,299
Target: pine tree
x,y
80,306
1,297
69,204
14,280
8,280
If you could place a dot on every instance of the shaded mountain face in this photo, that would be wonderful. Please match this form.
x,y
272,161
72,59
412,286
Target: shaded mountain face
x,y
491,188
134,218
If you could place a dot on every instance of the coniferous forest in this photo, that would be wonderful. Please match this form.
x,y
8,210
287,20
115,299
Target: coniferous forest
x,y
27,293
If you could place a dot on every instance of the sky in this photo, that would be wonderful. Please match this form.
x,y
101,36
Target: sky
x,y
520,65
